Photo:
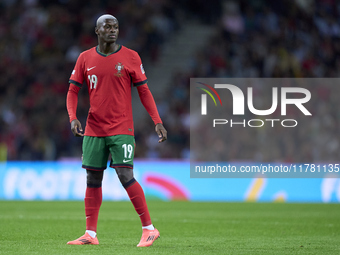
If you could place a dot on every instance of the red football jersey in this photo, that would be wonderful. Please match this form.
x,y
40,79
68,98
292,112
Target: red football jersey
x,y
109,79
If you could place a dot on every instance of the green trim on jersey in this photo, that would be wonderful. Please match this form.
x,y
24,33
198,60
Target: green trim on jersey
x,y
76,83
105,55
140,83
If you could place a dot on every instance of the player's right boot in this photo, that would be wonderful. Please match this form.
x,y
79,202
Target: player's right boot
x,y
85,239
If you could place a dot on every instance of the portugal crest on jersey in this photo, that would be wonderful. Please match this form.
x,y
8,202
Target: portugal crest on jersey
x,y
119,67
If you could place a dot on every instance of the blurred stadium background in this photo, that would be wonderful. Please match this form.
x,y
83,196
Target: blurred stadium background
x,y
41,40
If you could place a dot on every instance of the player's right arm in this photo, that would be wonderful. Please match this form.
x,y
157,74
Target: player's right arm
x,y
76,81
71,105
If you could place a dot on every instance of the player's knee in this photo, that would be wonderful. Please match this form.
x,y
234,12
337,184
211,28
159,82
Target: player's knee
x,y
94,178
124,174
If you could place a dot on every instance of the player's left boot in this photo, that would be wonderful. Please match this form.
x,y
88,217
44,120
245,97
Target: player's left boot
x,y
85,239
148,237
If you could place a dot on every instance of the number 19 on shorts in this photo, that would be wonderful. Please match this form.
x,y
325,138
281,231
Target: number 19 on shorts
x,y
128,150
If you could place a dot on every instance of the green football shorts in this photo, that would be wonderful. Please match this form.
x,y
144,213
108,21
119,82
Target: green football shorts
x,y
96,151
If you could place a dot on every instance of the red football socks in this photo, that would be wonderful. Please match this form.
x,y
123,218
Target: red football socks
x,y
93,201
137,198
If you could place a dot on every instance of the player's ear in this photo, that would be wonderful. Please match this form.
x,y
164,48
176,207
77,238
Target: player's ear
x,y
96,30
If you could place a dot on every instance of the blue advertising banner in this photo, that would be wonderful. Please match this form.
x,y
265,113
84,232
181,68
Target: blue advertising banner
x,y
164,180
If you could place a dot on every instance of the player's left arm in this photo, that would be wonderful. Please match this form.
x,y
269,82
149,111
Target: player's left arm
x,y
150,106
139,80
161,132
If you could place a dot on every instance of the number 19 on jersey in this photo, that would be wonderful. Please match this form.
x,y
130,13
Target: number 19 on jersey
x,y
93,81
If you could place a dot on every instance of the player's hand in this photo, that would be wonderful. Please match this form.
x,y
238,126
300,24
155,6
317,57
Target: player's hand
x,y
161,132
76,128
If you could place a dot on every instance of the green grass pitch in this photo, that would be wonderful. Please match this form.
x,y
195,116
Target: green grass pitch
x,y
185,228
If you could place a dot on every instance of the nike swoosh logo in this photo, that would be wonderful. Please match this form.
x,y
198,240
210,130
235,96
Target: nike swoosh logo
x,y
125,161
85,241
88,69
